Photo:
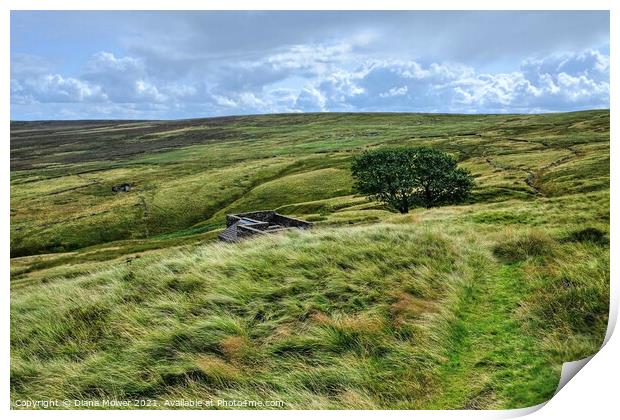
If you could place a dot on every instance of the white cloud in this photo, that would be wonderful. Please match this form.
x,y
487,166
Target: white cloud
x,y
105,62
394,92
321,77
224,101
147,91
314,56
559,82
56,88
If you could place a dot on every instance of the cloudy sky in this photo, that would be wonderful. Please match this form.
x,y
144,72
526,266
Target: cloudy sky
x,y
75,65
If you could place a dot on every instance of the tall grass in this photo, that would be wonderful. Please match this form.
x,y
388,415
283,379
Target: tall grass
x,y
361,317
334,315
470,306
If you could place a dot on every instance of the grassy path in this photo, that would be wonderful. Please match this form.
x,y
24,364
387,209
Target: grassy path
x,y
494,362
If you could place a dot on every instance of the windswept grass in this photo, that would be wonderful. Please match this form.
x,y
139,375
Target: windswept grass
x,y
300,317
384,316
120,296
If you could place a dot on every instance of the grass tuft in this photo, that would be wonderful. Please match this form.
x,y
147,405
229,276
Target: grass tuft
x,y
518,246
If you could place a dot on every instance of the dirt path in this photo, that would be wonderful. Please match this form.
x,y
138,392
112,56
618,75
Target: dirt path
x,y
492,363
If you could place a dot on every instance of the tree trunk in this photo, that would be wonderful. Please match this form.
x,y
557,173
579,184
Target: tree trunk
x,y
404,205
428,196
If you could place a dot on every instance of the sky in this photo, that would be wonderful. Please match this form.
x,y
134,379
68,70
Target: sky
x,y
170,65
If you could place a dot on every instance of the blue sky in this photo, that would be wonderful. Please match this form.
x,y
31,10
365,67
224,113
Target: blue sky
x,y
163,65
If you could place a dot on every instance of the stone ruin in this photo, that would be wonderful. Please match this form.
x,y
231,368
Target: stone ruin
x,y
124,187
243,225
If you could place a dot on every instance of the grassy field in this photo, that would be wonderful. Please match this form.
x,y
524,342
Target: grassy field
x,y
128,295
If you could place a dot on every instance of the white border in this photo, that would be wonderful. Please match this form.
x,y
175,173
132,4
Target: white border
x,y
593,393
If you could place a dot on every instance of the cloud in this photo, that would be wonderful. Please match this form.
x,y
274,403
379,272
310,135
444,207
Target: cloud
x,y
555,83
470,37
124,79
55,88
394,92
235,63
326,82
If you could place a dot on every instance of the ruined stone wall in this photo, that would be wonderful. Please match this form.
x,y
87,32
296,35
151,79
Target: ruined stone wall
x,y
261,216
278,219
244,231
264,220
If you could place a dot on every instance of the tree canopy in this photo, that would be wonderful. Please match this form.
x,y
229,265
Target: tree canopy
x,y
404,178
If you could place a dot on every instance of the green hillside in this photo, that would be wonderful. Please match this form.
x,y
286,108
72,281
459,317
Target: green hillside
x,y
128,295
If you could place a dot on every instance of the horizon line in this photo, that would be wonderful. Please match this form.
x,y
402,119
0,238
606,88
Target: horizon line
x,y
308,113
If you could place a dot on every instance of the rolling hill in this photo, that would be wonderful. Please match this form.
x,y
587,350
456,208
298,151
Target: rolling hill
x,y
128,295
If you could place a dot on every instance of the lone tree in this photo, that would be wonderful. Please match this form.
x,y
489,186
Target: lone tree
x,y
411,177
